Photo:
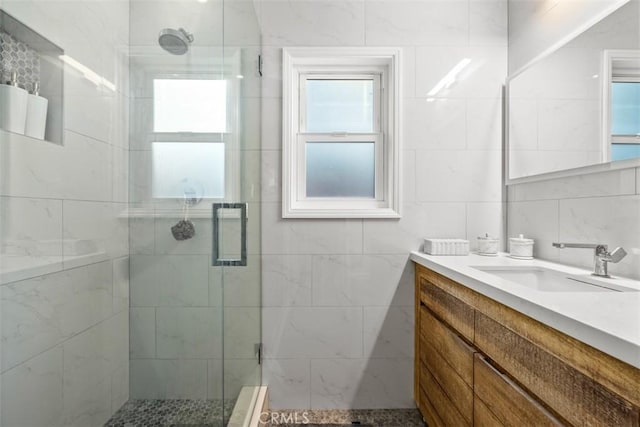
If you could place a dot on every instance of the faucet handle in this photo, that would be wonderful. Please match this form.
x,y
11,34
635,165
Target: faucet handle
x,y
616,255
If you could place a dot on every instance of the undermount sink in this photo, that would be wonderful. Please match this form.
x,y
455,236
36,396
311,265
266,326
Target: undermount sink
x,y
547,280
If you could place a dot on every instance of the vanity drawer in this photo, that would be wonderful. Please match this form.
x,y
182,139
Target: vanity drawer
x,y
574,396
482,416
459,392
504,401
427,410
438,401
450,309
448,344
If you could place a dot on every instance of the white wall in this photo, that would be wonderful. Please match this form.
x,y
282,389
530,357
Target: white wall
x,y
536,25
593,208
338,294
65,333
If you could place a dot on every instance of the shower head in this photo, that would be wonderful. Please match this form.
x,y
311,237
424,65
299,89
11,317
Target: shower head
x,y
176,42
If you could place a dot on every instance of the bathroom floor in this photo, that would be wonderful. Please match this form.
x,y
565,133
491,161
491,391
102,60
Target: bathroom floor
x,y
353,417
174,413
208,413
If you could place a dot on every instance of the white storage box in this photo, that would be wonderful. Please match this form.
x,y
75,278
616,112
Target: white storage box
x,y
446,246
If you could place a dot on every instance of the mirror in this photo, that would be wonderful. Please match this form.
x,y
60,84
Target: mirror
x,y
579,105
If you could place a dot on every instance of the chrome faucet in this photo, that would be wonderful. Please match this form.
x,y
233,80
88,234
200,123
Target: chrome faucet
x,y
601,256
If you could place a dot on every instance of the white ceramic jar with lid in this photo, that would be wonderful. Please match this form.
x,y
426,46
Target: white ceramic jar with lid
x,y
487,246
520,247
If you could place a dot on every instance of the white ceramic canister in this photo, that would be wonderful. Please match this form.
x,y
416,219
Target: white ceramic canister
x,y
520,247
36,114
13,106
487,245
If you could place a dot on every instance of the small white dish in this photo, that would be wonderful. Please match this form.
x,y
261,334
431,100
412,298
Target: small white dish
x,y
520,257
484,254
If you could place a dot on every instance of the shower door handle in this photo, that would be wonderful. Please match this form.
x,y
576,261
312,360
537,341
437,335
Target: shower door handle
x,y
229,212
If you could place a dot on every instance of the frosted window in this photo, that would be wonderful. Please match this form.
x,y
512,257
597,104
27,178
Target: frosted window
x,y
341,169
339,106
189,105
192,168
625,108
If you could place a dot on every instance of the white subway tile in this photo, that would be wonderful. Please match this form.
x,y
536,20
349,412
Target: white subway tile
x,y
168,379
189,333
32,392
313,23
241,332
537,220
291,332
388,332
614,221
41,312
394,22
419,220
488,22
286,280
361,383
143,332
310,236
289,383
169,280
361,280
90,360
468,176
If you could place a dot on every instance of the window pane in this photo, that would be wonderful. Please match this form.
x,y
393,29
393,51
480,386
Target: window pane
x,y
192,168
340,106
624,151
341,169
625,108
189,105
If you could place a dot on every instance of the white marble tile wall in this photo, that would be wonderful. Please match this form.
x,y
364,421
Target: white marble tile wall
x,y
64,293
594,208
338,294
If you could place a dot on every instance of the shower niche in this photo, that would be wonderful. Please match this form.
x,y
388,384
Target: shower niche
x,y
32,79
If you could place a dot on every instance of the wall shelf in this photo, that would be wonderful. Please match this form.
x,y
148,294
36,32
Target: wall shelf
x,y
37,59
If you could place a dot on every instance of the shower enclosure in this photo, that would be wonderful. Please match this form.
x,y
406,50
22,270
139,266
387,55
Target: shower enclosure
x,y
130,235
194,208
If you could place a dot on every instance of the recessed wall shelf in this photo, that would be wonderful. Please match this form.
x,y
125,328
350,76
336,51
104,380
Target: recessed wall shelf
x,y
34,58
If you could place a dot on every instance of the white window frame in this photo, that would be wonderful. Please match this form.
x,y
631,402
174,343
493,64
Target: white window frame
x,y
611,75
383,66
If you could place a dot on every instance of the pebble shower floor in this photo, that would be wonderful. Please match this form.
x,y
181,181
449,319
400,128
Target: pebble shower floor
x,y
172,413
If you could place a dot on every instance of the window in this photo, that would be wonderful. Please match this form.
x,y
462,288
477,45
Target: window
x,y
191,132
341,133
625,118
622,108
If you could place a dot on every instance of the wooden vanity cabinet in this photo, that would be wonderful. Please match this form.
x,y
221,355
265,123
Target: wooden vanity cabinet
x,y
481,363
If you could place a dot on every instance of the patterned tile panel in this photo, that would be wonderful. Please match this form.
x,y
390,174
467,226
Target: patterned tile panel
x,y
19,57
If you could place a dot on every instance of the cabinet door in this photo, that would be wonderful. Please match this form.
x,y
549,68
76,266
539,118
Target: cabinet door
x,y
505,401
448,308
575,397
444,411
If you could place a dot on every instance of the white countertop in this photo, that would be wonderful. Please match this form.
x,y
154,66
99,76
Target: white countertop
x,y
608,321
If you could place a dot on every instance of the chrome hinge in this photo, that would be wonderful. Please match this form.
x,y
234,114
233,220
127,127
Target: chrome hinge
x,y
258,349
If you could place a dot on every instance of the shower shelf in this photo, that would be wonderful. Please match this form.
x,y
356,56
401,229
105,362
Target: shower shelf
x,y
50,74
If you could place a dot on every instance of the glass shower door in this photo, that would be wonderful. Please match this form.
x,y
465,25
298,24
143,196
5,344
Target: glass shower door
x,y
194,142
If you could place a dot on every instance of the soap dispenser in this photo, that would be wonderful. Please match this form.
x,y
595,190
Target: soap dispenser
x,y
13,106
36,113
